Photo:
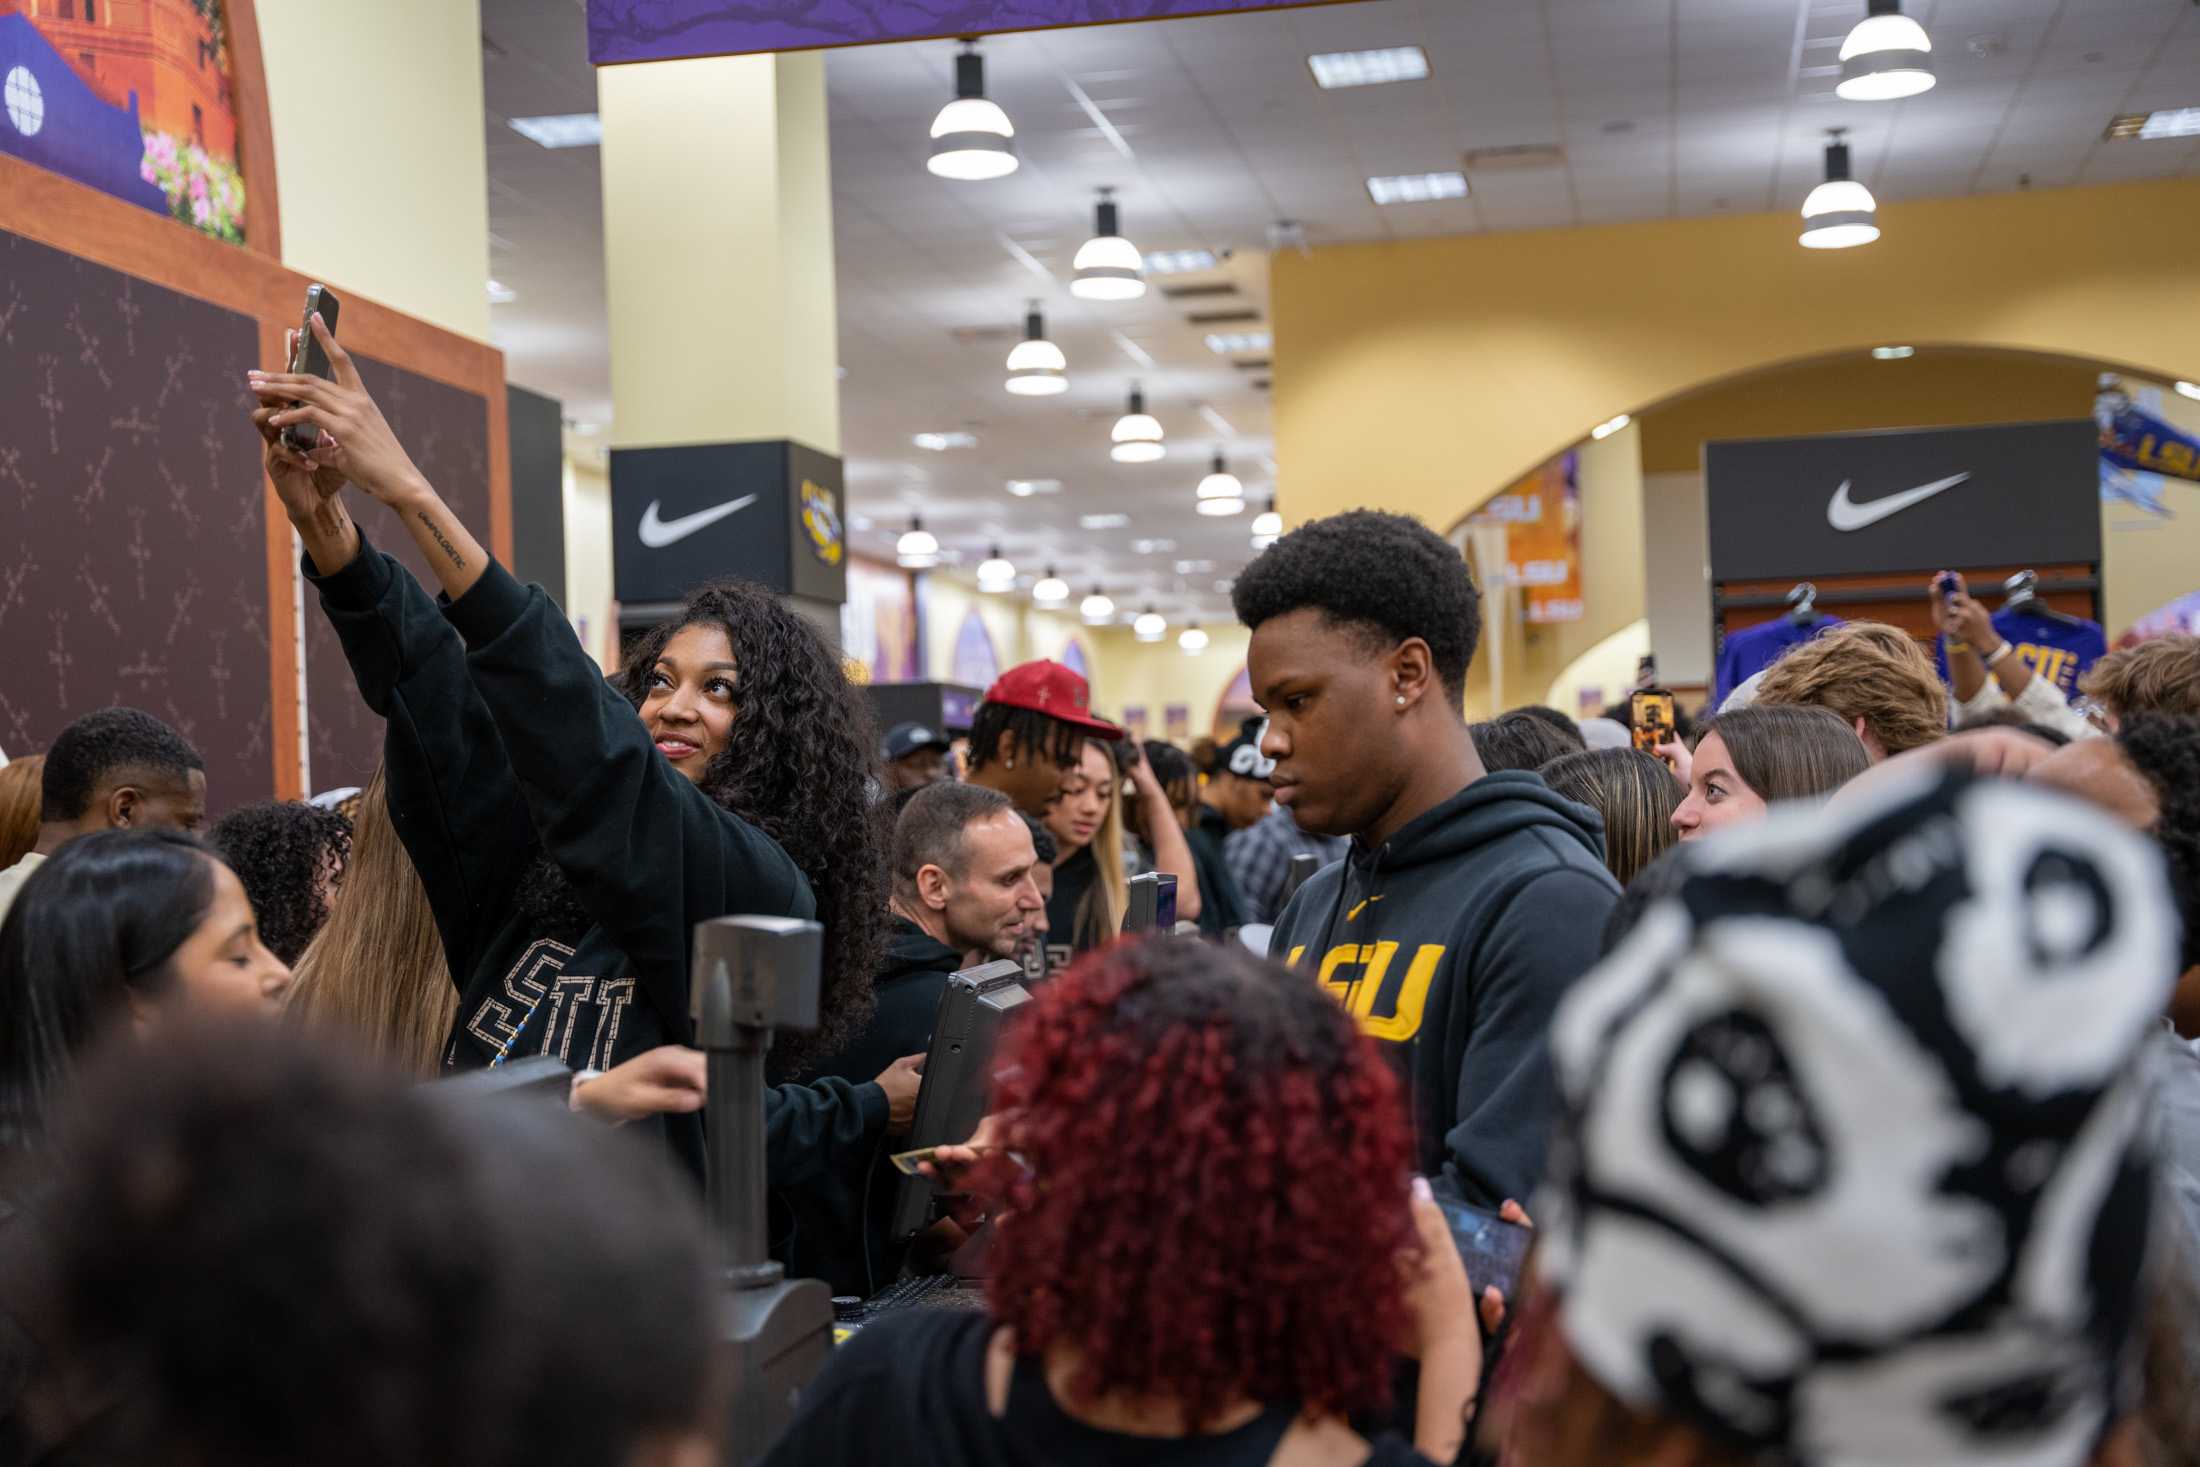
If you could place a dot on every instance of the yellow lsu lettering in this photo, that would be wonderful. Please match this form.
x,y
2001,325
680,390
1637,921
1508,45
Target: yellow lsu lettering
x,y
1358,975
2050,663
2174,459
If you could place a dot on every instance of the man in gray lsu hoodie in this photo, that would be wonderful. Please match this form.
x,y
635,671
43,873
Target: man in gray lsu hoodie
x,y
1469,901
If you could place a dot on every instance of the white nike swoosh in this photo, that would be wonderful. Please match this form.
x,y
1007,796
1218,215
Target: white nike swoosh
x,y
657,533
1844,514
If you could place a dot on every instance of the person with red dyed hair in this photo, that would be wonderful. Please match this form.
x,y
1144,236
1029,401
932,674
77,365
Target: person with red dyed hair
x,y
1210,1248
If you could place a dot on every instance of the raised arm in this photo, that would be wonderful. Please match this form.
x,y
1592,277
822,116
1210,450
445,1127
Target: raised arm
x,y
1171,852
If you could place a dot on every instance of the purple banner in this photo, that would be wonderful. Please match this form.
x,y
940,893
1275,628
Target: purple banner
x,y
666,30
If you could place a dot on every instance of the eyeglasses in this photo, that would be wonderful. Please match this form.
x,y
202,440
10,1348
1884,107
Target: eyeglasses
x,y
2096,714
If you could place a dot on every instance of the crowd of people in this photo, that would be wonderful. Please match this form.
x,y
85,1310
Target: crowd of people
x,y
1839,1060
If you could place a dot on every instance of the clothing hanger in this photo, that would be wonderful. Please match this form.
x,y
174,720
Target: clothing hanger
x,y
1803,604
2022,593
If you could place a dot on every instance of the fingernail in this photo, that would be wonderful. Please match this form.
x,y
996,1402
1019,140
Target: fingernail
x,y
1422,1192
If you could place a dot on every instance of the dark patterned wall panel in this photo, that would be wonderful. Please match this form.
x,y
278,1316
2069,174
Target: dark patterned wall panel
x,y
133,560
447,432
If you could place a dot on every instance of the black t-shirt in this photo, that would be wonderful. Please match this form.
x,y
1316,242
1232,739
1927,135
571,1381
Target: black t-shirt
x,y
1073,879
910,1389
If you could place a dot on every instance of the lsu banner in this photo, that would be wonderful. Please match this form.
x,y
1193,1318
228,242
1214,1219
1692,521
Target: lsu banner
x,y
1541,517
2140,454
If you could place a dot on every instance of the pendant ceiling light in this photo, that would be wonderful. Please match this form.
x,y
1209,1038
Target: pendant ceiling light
x,y
1151,626
1037,368
1840,213
1193,640
1108,266
1220,493
972,138
996,573
1051,589
1097,607
1887,56
1267,527
1137,435
919,548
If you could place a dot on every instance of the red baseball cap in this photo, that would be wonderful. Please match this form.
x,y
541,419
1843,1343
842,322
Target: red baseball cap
x,y
1057,691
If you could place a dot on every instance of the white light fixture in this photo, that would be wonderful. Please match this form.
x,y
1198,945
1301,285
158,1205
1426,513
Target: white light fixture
x,y
1180,262
1108,266
1893,353
1267,527
1096,608
1037,368
1334,69
1137,434
918,548
1238,343
1193,639
1051,589
1153,547
1103,521
1840,213
972,138
996,573
1025,488
942,442
2189,389
2170,122
1887,56
1417,188
501,294
1151,626
1608,427
1220,508
1220,483
563,130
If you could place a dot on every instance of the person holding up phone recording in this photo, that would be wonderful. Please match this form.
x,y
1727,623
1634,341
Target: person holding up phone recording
x,y
571,831
1985,670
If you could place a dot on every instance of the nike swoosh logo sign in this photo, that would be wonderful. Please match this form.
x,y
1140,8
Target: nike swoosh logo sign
x,y
1845,514
657,533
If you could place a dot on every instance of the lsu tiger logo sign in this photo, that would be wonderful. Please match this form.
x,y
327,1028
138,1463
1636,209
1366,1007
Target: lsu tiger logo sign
x,y
821,517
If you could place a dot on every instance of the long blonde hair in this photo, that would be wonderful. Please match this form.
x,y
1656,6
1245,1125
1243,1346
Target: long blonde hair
x,y
1110,896
376,970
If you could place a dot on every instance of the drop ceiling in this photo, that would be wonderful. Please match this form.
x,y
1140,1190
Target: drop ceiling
x,y
1567,113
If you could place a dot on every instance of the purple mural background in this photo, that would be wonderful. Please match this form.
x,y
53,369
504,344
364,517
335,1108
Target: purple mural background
x,y
664,30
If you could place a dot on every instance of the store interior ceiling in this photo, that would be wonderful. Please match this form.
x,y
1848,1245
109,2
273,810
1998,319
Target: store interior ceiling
x,y
1560,113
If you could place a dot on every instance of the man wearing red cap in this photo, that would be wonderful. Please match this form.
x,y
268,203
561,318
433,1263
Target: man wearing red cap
x,y
1027,733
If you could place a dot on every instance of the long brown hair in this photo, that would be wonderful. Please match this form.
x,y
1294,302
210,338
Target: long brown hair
x,y
376,970
1634,792
20,802
1789,751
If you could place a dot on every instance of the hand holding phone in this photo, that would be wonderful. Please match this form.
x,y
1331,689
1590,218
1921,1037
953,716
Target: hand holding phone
x,y
307,357
1651,713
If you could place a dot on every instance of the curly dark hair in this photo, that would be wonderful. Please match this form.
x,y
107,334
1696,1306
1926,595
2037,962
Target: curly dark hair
x,y
1208,1198
1034,731
285,852
799,765
1387,575
2166,749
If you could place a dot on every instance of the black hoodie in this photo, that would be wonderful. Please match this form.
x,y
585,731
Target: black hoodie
x,y
840,1220
1453,942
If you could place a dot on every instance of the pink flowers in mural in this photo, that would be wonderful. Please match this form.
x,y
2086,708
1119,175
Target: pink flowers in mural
x,y
203,191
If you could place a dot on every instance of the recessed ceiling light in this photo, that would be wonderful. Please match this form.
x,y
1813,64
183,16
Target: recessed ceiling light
x,y
1609,426
2189,389
564,130
1153,547
1333,69
1417,188
1180,262
1025,488
941,442
2173,122
1239,343
1103,521
501,294
1893,353
1194,567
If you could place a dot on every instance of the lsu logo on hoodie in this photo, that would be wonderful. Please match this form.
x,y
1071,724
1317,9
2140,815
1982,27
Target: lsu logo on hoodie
x,y
1385,993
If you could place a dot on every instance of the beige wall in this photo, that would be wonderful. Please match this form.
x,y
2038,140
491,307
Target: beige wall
x,y
1154,675
588,558
379,159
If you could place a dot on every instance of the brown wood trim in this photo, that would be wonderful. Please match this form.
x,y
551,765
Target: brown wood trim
x,y
263,215
1912,613
500,476
283,631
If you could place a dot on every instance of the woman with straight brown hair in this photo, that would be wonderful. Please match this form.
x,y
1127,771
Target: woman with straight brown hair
x,y
1634,792
376,970
1750,758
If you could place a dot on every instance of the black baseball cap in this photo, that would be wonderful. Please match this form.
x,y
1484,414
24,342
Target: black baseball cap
x,y
904,739
1242,756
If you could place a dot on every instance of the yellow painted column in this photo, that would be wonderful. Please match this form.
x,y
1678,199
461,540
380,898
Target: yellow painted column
x,y
380,164
718,252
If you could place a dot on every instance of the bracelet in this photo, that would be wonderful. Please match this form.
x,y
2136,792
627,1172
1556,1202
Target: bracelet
x,y
1994,658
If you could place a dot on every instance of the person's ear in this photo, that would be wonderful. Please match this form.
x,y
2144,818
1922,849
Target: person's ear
x,y
1870,740
932,887
122,805
1007,751
1412,673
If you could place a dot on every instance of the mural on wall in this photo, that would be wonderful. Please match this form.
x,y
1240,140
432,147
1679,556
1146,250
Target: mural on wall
x,y
974,664
1235,706
2142,457
1137,721
131,97
1176,723
878,623
1541,517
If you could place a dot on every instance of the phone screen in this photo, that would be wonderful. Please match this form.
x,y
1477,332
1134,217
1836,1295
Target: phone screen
x,y
1164,906
308,357
1651,713
1492,1249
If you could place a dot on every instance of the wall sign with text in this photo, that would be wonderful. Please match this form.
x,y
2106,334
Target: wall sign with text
x,y
767,511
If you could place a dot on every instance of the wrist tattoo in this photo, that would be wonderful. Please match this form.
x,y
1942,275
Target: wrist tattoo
x,y
448,548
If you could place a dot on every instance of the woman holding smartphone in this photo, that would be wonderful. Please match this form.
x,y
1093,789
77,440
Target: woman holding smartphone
x,y
571,832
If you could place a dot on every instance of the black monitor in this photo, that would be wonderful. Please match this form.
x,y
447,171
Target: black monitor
x,y
1152,906
958,1074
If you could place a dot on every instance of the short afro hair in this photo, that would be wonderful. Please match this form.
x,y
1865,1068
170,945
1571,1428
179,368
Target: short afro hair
x,y
102,744
1387,576
2166,749
281,851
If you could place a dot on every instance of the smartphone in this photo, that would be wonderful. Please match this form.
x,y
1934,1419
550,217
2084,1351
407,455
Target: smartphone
x,y
1650,711
1947,582
1492,1249
307,357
